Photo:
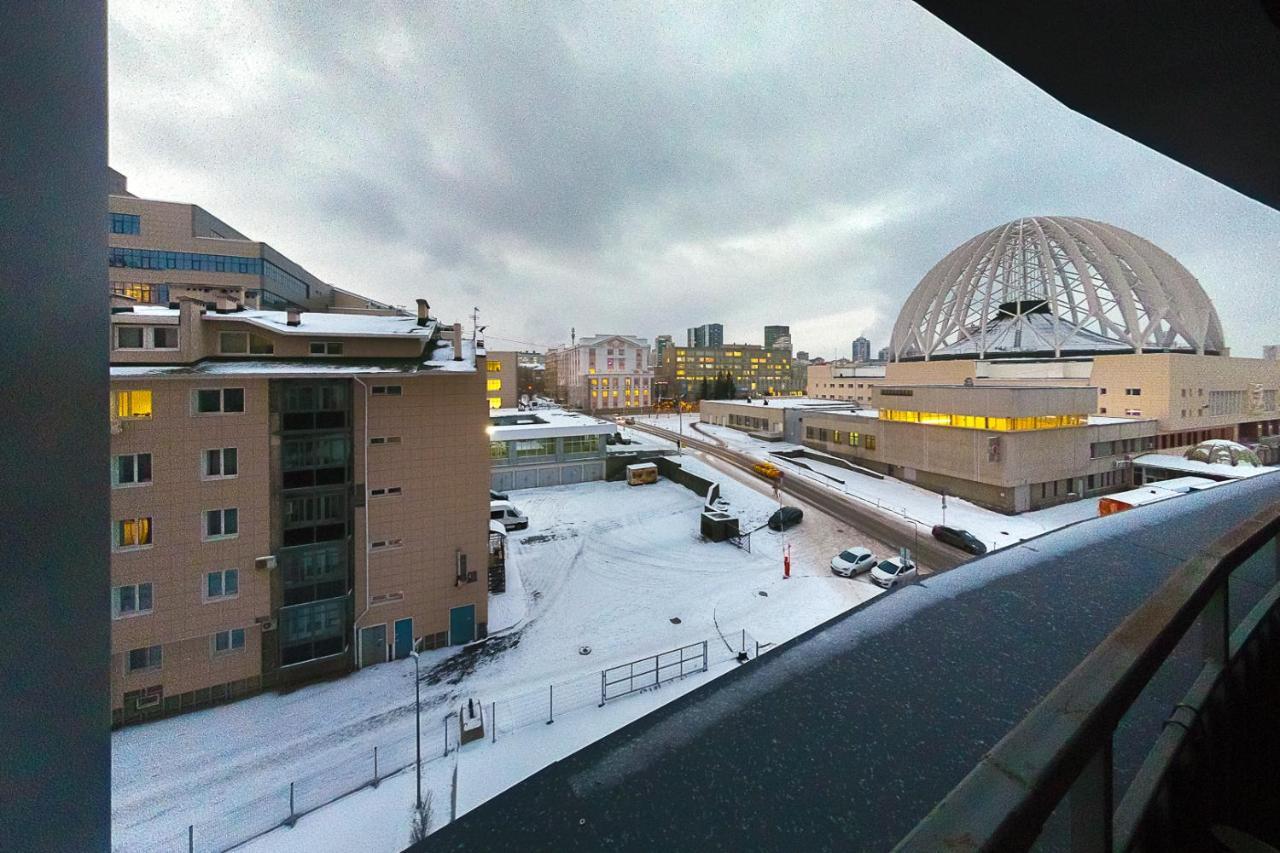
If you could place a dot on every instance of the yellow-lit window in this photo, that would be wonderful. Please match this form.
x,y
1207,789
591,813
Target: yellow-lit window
x,y
679,373
133,404
495,384
132,533
495,402
999,424
869,442
591,370
495,367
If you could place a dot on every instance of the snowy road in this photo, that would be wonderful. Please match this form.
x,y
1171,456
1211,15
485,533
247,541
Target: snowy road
x,y
602,565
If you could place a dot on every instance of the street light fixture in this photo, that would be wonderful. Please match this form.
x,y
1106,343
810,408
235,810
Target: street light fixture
x,y
417,702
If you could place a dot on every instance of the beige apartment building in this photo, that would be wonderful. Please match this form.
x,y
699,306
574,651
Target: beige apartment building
x,y
294,494
756,370
161,251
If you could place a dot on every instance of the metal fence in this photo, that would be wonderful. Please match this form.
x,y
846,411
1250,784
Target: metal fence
x,y
361,767
645,673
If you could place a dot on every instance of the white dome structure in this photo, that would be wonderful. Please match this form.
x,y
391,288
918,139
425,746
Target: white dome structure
x,y
1055,286
1219,451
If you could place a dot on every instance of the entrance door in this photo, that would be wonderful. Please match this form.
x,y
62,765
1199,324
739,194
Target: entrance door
x,y
462,624
404,638
373,645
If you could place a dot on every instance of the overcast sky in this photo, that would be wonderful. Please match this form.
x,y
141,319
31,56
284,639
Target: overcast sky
x,y
638,169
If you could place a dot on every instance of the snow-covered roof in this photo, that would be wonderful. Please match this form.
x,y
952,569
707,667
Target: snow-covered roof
x,y
438,360
1205,469
788,403
514,424
312,322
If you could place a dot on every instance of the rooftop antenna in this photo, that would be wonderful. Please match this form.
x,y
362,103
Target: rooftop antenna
x,y
475,323
573,336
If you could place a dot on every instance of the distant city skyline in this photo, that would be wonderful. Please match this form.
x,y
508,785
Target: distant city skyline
x,y
538,163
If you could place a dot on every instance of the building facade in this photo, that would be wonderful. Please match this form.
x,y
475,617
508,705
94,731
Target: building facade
x,y
546,447
709,335
843,379
754,369
861,350
773,334
603,373
294,494
660,346
503,384
161,251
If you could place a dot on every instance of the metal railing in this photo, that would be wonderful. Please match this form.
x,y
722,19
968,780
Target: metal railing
x,y
1060,754
653,671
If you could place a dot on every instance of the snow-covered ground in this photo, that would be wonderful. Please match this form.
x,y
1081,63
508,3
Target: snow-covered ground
x,y
621,570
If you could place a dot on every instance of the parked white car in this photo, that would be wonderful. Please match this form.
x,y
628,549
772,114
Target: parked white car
x,y
852,561
506,514
893,571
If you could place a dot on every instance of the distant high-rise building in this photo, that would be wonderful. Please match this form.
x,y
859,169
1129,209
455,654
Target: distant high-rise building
x,y
772,333
708,335
660,345
883,355
803,355
861,349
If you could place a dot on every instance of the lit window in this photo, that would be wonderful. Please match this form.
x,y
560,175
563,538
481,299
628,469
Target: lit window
x,y
228,641
131,469
223,584
495,384
131,600
326,348
221,523
219,400
495,402
494,367
133,404
131,533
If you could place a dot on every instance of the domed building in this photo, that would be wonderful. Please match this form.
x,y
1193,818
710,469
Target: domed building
x,y
1054,286
1222,452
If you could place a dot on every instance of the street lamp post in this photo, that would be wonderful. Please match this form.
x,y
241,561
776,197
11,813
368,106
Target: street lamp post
x,y
417,703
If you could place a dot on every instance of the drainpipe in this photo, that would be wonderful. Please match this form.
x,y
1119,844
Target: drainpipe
x,y
355,624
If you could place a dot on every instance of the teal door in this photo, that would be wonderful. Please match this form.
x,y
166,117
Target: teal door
x,y
404,638
462,624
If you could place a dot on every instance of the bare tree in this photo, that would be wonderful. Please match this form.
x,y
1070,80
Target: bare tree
x,y
420,824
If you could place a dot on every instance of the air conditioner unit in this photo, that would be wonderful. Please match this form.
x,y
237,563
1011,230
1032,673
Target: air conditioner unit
x,y
269,625
267,562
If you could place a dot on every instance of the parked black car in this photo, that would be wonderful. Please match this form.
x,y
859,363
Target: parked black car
x,y
787,516
497,496
962,539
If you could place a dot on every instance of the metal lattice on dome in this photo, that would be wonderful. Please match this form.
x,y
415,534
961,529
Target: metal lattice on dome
x,y
1054,286
1220,451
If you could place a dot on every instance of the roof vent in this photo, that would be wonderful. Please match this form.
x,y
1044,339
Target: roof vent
x,y
457,342
293,317
423,312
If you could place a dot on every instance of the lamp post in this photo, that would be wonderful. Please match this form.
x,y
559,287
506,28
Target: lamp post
x,y
417,703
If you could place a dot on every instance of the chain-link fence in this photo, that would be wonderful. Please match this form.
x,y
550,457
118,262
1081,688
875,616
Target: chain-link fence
x,y
360,766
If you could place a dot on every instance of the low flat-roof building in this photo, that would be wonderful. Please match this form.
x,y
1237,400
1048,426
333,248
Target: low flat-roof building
x,y
546,447
1006,447
843,380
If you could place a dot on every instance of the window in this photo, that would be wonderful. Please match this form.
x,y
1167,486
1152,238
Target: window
x,y
382,493
129,337
494,367
495,385
574,444
535,447
385,439
495,402
133,404
221,523
239,343
1133,413
133,469
386,390
869,442
214,400
223,584
153,294
131,600
1133,392
221,462
164,337
125,223
384,544
131,533
326,348
148,657
228,641
497,450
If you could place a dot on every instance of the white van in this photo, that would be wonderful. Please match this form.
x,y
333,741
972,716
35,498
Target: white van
x,y
506,514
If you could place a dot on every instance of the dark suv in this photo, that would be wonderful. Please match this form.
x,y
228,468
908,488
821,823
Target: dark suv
x,y
787,516
962,539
